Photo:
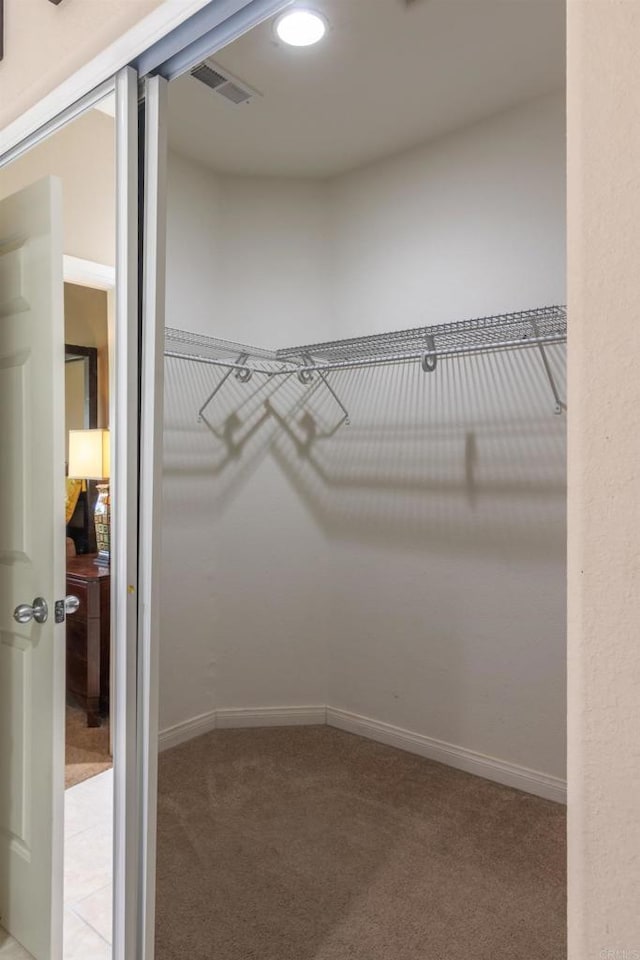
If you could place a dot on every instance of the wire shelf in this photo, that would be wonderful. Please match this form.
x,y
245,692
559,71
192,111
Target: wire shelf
x,y
538,327
527,328
183,345
508,331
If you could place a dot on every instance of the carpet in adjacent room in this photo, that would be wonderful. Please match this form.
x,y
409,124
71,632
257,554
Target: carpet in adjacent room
x,y
86,748
307,843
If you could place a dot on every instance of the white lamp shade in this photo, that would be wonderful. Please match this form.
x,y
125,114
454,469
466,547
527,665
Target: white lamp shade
x,y
89,454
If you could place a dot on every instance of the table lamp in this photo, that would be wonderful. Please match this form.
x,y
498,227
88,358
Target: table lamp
x,y
89,460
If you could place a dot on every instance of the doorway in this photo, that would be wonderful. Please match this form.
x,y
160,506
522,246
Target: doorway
x,y
471,446
81,157
88,667
387,589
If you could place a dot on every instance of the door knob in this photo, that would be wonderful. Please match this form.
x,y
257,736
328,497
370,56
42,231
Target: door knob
x,y
38,611
71,604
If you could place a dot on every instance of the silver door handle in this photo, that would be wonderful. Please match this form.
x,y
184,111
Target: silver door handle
x,y
71,604
38,611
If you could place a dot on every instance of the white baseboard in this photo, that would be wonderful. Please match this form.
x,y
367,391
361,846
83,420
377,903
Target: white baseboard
x,y
187,730
509,774
227,718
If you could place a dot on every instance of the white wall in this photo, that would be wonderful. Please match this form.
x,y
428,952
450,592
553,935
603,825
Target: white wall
x,y
411,568
242,615
250,254
467,226
450,608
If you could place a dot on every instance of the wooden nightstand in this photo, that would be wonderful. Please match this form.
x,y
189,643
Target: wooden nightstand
x,y
88,637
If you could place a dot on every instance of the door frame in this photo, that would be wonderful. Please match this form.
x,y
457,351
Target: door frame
x,y
98,276
167,43
122,288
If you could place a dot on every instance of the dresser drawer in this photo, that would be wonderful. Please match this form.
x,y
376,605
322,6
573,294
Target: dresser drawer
x,y
89,597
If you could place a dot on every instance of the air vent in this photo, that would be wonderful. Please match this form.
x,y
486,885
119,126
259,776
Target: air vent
x,y
211,77
234,93
232,89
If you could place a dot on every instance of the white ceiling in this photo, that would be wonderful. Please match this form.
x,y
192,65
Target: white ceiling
x,y
388,75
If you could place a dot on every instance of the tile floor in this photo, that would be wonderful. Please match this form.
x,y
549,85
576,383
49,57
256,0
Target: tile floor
x,y
88,845
10,950
87,874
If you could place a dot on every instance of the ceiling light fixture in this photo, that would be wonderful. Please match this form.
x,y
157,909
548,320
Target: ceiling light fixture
x,y
301,28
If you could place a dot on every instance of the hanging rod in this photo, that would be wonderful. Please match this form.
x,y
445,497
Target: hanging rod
x,y
538,327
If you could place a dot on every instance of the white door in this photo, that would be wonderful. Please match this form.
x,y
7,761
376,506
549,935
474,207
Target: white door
x,y
32,563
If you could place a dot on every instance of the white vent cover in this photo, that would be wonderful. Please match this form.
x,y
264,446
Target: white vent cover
x,y
229,87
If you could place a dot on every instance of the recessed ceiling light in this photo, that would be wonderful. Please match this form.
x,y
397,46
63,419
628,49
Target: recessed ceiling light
x,y
301,28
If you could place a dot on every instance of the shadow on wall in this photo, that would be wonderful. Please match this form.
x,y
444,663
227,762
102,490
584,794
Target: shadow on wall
x,y
470,455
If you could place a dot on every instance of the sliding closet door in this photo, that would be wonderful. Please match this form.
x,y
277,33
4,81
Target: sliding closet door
x,y
137,415
153,167
124,522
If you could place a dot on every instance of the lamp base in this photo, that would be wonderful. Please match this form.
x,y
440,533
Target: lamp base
x,y
102,518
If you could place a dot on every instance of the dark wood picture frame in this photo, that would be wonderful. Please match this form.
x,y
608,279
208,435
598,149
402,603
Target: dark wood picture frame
x,y
72,350
81,526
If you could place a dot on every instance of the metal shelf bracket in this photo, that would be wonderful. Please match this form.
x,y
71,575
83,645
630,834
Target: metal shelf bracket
x,y
430,358
560,405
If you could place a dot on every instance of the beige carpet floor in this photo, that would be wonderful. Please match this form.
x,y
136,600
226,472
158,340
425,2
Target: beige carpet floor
x,y
86,748
312,844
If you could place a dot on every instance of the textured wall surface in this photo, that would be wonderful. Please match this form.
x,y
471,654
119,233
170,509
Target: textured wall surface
x,y
46,43
604,480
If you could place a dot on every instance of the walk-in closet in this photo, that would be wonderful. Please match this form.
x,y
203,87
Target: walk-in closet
x,y
362,657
